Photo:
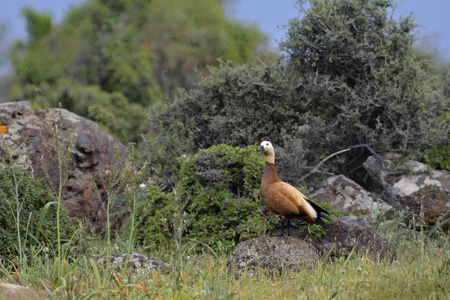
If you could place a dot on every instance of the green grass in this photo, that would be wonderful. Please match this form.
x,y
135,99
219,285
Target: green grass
x,y
421,270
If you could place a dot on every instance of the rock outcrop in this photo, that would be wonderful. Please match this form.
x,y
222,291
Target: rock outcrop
x,y
16,292
350,233
301,250
28,142
272,255
410,186
135,261
349,197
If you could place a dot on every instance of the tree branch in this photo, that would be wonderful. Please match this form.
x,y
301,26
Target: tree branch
x,y
317,167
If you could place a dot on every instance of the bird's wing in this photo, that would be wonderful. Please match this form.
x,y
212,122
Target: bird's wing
x,y
296,198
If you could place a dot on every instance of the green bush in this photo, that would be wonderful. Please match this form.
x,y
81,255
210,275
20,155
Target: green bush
x,y
235,105
351,79
110,110
438,157
37,216
218,192
136,53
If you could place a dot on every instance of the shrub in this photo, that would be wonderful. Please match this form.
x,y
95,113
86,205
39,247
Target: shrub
x,y
219,191
235,105
37,217
110,110
351,79
364,81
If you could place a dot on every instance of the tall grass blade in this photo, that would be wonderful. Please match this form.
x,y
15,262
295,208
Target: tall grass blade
x,y
96,272
437,226
42,217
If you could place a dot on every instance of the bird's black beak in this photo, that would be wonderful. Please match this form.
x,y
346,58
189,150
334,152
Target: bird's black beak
x,y
260,149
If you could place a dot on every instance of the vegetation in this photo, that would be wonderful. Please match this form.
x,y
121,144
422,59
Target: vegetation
x,y
419,270
217,194
351,79
29,215
111,60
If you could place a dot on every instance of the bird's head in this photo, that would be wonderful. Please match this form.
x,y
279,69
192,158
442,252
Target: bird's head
x,y
269,153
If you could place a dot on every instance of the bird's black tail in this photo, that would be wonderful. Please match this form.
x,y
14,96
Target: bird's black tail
x,y
321,214
320,221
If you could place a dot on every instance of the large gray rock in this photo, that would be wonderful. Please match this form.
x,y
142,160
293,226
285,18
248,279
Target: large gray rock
x,y
272,255
410,186
17,292
135,261
303,249
28,140
350,233
349,197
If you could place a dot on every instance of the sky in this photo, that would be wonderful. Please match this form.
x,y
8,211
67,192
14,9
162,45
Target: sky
x,y
270,16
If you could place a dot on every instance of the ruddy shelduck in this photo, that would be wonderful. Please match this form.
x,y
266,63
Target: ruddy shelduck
x,y
284,199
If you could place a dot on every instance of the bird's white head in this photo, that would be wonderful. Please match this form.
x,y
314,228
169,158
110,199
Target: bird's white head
x,y
269,152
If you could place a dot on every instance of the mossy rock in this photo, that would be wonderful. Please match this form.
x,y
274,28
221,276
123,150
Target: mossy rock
x,y
216,199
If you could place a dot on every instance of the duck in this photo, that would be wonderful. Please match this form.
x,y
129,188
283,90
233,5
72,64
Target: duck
x,y
285,200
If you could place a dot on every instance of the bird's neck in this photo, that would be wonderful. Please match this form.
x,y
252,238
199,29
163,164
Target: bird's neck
x,y
269,158
269,174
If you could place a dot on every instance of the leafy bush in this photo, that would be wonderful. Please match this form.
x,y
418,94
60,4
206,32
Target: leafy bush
x,y
110,110
235,105
370,88
438,157
218,189
37,212
138,51
351,79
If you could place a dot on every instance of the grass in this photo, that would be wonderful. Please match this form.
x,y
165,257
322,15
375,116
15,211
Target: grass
x,y
420,270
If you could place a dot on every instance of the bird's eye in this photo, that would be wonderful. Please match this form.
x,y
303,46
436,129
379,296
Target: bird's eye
x,y
267,144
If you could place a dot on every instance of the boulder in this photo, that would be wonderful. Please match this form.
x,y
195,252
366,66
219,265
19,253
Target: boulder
x,y
28,141
272,255
351,233
16,292
410,186
135,261
349,197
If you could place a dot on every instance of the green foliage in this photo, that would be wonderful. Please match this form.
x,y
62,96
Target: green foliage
x,y
152,218
370,88
37,214
219,192
350,80
38,24
110,110
140,51
235,105
438,157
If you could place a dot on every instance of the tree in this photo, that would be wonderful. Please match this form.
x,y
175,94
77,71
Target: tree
x,y
140,49
350,79
370,86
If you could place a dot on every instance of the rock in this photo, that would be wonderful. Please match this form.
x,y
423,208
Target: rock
x,y
13,291
135,261
350,233
349,197
377,174
272,255
412,187
303,249
28,140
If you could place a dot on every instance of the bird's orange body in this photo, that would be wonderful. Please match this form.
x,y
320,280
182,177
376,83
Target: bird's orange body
x,y
284,199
